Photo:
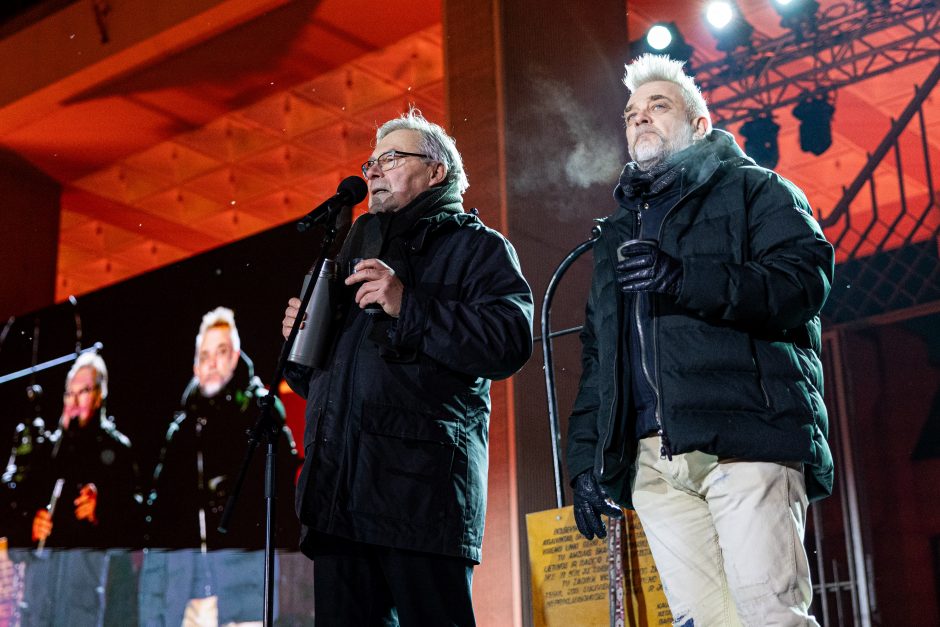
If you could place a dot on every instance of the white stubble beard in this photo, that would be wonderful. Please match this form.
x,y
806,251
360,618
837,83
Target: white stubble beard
x,y
649,154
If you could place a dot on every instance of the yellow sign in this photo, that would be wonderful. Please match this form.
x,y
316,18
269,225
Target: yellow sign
x,y
569,574
592,583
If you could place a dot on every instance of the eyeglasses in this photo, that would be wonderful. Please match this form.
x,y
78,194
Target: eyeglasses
x,y
77,393
388,160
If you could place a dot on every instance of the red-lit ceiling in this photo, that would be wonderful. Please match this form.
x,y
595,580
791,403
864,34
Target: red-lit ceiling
x,y
233,134
243,124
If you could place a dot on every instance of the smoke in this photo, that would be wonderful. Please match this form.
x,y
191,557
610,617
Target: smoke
x,y
581,154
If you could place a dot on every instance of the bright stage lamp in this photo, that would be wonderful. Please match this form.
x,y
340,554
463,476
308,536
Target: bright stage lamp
x,y
719,14
663,38
728,26
659,37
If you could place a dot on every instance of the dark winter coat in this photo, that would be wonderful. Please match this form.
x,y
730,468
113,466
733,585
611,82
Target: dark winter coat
x,y
397,425
98,454
213,431
736,355
205,448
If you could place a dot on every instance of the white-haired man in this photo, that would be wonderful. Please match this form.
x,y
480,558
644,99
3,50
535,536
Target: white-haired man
x,y
96,503
392,495
210,577
86,474
700,403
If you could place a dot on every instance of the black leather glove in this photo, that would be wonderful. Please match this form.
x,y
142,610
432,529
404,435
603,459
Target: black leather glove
x,y
646,268
590,501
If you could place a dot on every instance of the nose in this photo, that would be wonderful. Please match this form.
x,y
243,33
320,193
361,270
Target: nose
x,y
641,117
373,171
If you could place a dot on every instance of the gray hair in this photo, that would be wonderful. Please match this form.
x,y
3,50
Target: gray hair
x,y
659,67
435,142
218,317
94,361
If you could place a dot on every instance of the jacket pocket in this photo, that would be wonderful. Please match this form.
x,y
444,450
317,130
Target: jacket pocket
x,y
403,465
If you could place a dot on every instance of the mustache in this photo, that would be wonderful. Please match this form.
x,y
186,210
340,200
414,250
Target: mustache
x,y
649,131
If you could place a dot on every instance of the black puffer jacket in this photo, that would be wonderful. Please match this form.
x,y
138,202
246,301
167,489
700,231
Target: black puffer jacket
x,y
737,369
397,425
98,454
204,451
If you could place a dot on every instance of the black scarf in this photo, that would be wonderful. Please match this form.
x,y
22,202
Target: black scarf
x,y
376,235
635,182
385,236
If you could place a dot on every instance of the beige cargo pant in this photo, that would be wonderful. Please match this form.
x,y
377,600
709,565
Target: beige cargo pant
x,y
726,537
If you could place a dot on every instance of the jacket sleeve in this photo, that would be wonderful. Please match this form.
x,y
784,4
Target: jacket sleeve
x,y
487,330
298,378
788,267
582,424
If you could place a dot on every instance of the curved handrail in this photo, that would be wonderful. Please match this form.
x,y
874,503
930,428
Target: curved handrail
x,y
549,368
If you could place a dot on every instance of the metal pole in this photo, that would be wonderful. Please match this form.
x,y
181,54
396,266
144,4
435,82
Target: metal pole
x,y
549,367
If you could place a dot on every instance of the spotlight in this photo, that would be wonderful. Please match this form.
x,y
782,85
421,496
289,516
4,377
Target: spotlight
x,y
663,38
815,115
877,6
760,139
728,26
797,15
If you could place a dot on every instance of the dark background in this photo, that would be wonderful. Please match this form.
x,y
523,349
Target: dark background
x,y
148,327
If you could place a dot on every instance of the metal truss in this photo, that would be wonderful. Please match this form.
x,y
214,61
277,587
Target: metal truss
x,y
849,43
888,248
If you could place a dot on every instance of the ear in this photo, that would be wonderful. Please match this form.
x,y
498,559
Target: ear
x,y
700,126
438,173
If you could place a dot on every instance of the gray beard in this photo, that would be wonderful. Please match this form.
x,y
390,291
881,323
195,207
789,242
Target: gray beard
x,y
214,387
211,389
649,156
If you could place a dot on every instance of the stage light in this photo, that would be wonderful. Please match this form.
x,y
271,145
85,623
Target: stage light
x,y
728,26
797,15
815,115
663,38
659,37
760,139
719,14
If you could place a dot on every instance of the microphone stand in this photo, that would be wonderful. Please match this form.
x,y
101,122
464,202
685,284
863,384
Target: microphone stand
x,y
268,426
58,361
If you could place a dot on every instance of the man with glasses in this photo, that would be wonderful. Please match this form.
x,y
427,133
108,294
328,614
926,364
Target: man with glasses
x,y
82,491
89,471
392,495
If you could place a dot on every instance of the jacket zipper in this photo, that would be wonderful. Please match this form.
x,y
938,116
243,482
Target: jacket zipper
x,y
665,448
760,375
611,415
201,482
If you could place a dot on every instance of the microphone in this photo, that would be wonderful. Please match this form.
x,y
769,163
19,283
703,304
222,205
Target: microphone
x,y
351,191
